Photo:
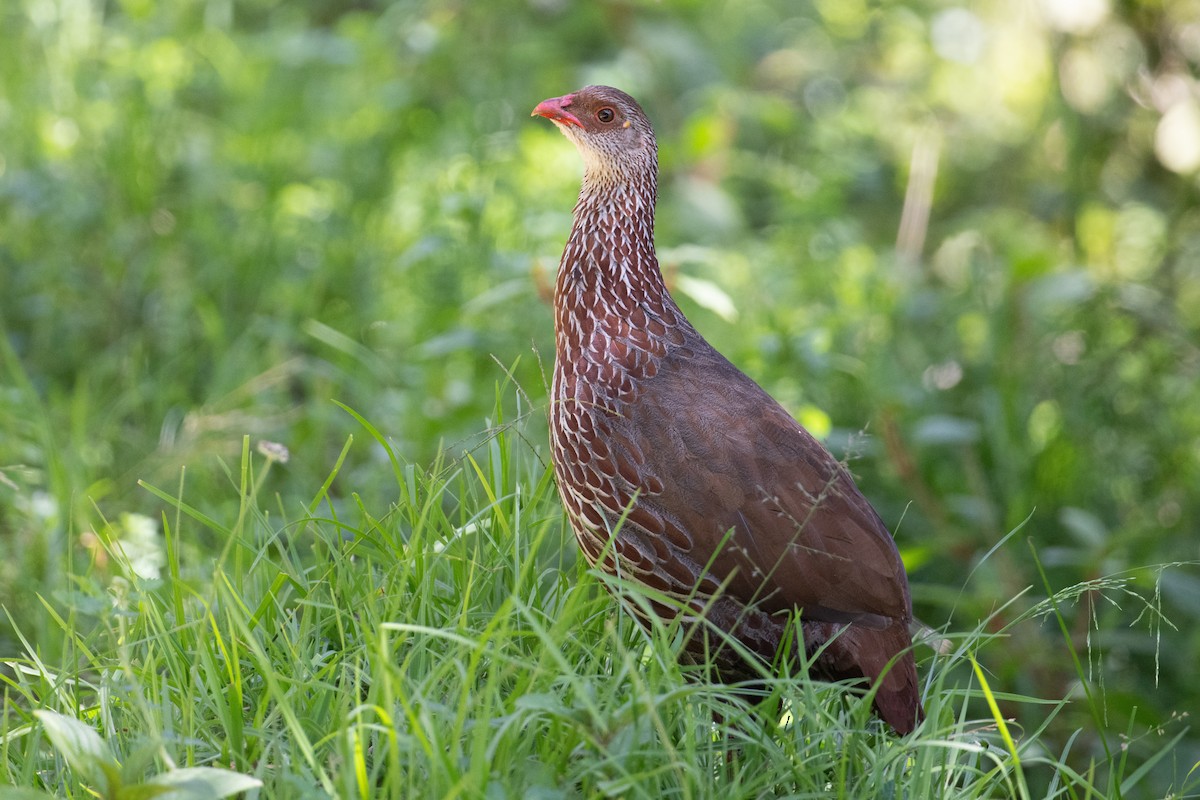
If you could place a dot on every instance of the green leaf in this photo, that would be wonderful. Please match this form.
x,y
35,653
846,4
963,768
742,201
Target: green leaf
x,y
709,295
142,791
85,752
202,783
943,429
23,793
1085,526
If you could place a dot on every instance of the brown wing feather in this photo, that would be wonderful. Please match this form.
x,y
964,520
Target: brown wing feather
x,y
745,481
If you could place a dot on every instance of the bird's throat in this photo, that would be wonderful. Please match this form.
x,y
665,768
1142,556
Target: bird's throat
x,y
612,238
609,267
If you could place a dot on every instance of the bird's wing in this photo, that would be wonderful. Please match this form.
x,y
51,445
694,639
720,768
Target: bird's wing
x,y
724,469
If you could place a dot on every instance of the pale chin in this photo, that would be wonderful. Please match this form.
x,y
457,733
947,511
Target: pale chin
x,y
593,162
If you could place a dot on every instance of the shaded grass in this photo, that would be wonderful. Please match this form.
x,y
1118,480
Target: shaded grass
x,y
452,645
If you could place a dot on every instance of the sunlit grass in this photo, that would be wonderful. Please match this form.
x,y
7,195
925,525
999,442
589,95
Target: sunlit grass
x,y
452,645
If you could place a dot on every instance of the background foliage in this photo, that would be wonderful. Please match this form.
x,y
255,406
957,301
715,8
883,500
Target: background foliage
x,y
971,231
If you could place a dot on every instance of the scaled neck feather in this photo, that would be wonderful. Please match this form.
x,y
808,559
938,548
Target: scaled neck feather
x,y
611,247
609,284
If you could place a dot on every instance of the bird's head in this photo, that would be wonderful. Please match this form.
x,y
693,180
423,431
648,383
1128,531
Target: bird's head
x,y
609,129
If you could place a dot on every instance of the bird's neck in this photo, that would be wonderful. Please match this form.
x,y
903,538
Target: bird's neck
x,y
609,266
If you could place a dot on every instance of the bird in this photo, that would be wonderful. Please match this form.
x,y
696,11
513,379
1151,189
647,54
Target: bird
x,y
679,472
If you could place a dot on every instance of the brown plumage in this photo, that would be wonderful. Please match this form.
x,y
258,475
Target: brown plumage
x,y
718,497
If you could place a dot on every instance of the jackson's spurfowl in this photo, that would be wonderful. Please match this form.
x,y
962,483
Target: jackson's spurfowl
x,y
678,471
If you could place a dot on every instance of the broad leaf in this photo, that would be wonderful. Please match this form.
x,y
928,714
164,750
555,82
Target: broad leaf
x,y
203,783
23,793
85,752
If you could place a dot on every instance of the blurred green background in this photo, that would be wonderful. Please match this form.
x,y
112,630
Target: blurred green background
x,y
961,242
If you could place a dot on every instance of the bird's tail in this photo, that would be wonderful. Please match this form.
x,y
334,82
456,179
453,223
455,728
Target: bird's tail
x,y
888,653
883,656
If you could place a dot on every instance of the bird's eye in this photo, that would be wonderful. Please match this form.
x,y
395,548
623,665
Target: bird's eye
x,y
605,114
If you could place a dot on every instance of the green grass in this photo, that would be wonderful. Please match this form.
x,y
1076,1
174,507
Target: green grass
x,y
452,645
